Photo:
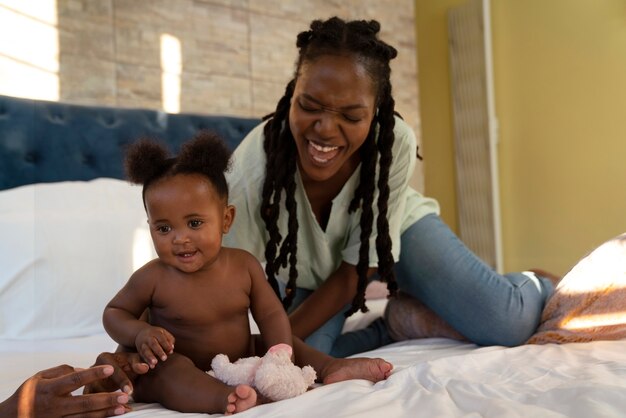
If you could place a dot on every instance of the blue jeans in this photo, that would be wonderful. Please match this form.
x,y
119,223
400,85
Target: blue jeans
x,y
438,269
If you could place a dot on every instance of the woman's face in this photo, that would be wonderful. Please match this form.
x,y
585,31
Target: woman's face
x,y
331,112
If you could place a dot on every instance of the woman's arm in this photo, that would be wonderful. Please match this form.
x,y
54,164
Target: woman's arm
x,y
330,298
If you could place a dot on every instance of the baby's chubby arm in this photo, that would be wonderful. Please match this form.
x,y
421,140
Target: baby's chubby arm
x,y
267,310
122,323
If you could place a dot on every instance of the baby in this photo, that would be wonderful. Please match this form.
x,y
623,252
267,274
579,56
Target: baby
x,y
198,293
191,303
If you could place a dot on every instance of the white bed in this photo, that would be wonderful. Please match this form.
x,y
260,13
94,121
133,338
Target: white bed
x,y
67,247
432,377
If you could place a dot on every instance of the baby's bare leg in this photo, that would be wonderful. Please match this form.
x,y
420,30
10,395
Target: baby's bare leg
x,y
330,369
179,385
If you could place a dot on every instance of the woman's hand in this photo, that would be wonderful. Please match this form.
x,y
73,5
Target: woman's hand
x,y
331,297
48,394
154,344
126,367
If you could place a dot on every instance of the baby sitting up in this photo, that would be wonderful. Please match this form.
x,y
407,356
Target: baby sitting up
x,y
191,303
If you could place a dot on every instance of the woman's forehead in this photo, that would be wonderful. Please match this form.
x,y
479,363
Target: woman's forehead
x,y
343,78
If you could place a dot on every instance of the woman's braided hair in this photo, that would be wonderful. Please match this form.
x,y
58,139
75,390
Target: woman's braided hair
x,y
356,39
206,154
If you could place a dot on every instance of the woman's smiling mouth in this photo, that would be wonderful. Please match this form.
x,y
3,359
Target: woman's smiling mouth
x,y
322,154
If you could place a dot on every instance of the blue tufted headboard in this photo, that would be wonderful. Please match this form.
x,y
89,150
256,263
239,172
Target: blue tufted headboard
x,y
44,141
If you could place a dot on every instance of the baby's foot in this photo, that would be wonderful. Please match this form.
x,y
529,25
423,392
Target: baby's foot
x,y
372,369
241,399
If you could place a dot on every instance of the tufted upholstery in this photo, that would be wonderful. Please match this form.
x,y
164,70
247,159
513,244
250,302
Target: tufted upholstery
x,y
48,141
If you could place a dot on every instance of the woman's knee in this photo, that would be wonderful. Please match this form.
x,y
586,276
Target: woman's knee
x,y
512,323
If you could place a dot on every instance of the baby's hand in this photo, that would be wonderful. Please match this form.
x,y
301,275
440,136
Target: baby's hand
x,y
154,343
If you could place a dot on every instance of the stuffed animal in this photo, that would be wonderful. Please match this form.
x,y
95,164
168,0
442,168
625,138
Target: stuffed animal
x,y
273,375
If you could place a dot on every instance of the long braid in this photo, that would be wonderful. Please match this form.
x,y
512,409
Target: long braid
x,y
364,196
290,246
334,37
280,169
385,144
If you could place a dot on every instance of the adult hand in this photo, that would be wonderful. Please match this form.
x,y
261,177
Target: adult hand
x,y
126,367
48,394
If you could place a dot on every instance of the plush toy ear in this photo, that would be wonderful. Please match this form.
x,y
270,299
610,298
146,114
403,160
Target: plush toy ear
x,y
309,375
240,372
281,347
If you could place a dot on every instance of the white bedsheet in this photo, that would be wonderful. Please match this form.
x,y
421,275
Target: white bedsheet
x,y
432,378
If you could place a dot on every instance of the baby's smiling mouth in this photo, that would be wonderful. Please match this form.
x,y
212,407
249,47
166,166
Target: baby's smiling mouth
x,y
186,254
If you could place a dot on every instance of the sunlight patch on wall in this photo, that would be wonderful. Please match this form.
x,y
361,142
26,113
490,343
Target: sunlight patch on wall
x,y
171,66
29,49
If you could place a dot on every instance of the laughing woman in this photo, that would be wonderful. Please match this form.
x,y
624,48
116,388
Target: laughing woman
x,y
321,189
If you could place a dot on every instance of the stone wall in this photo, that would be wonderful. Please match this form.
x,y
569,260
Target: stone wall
x,y
235,55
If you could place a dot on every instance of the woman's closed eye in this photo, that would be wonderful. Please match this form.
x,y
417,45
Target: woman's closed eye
x,y
351,118
309,107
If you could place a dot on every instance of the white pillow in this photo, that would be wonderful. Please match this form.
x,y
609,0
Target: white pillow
x,y
65,250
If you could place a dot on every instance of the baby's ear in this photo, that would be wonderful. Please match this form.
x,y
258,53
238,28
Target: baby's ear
x,y
229,217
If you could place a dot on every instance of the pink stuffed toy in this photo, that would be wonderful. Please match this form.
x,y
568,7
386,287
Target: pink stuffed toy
x,y
273,375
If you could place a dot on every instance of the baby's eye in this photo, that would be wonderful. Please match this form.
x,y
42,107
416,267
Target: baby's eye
x,y
163,229
195,223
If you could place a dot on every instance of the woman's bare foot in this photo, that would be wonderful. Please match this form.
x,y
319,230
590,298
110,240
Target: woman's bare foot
x,y
407,318
372,369
241,399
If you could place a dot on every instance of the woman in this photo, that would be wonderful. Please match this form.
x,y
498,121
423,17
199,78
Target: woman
x,y
321,190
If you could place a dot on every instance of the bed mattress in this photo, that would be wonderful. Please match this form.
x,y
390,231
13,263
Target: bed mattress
x,y
432,377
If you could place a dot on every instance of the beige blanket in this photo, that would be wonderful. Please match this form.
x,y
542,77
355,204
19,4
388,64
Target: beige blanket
x,y
589,303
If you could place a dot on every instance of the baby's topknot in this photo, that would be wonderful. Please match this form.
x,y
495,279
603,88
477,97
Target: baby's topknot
x,y
146,159
206,153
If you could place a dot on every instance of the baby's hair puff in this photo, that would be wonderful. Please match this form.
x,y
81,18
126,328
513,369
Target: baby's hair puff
x,y
206,154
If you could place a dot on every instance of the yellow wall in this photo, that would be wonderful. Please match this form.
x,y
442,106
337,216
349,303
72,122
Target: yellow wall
x,y
435,107
560,83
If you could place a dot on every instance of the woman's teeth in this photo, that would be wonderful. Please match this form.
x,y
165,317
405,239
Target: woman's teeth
x,y
322,154
323,148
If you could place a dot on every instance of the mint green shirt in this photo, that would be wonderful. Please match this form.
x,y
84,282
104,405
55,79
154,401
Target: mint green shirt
x,y
320,252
